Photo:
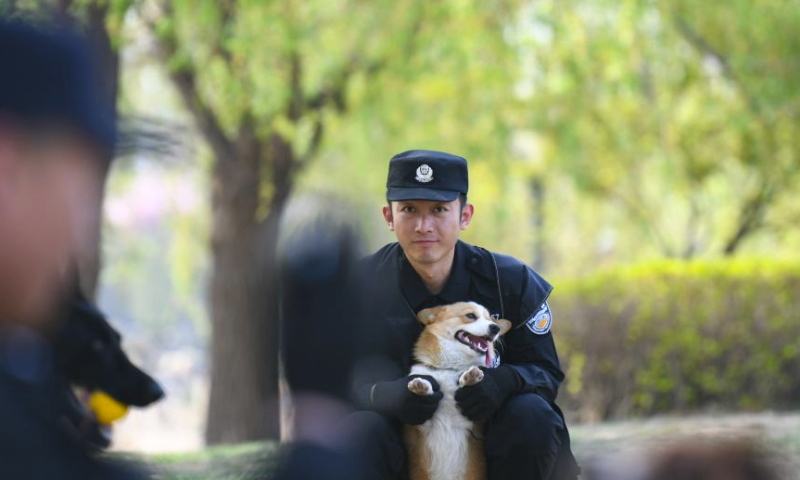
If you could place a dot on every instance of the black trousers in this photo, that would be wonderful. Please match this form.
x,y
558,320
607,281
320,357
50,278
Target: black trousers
x,y
522,441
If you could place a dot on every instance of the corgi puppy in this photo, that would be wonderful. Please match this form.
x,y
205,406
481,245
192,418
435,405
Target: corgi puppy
x,y
456,340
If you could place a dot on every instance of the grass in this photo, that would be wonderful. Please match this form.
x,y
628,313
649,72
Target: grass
x,y
248,461
777,433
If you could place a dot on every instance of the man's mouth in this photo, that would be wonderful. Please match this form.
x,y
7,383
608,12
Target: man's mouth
x,y
479,344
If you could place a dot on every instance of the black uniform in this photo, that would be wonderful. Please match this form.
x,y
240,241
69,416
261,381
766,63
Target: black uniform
x,y
526,437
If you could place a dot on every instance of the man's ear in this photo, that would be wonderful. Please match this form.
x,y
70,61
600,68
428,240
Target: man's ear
x,y
387,215
429,315
504,325
466,215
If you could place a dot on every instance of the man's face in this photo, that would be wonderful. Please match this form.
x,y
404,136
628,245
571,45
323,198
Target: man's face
x,y
427,230
49,201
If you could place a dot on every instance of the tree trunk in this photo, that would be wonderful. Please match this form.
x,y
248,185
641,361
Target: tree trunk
x,y
244,381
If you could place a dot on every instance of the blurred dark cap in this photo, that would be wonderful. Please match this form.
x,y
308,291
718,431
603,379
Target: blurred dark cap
x,y
426,175
47,76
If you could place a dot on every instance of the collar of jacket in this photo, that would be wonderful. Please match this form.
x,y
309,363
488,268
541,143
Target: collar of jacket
x,y
479,262
478,259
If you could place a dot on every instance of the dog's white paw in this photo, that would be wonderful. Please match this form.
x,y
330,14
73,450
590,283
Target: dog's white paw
x,y
470,377
420,386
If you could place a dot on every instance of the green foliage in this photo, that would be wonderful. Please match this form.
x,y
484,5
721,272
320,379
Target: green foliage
x,y
671,335
663,128
350,83
669,110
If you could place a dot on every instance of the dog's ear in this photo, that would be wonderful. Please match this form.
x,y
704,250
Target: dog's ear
x,y
429,315
504,325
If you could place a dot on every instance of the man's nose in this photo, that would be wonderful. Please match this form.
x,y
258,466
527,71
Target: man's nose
x,y
425,224
493,330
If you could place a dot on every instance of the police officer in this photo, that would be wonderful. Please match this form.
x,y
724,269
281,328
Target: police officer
x,y
54,137
526,437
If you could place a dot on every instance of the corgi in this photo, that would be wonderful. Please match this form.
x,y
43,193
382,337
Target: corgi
x,y
457,339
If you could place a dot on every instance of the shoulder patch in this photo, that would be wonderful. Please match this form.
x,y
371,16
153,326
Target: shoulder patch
x,y
541,321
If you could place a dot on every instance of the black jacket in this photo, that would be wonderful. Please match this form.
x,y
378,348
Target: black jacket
x,y
502,284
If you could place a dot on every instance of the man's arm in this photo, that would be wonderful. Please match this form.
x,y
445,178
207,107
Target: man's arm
x,y
529,346
529,362
533,357
379,382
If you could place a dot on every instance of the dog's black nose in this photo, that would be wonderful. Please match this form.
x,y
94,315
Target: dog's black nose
x,y
493,330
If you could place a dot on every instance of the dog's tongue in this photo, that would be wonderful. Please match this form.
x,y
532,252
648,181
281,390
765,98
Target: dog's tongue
x,y
484,345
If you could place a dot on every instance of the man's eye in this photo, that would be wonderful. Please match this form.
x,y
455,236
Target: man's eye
x,y
407,209
439,209
471,316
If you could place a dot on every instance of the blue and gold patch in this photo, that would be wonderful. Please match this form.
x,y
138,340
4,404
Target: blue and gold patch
x,y
541,321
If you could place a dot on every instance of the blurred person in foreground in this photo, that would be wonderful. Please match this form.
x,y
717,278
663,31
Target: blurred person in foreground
x,y
55,141
319,302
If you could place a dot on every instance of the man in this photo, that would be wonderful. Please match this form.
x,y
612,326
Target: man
x,y
54,137
526,436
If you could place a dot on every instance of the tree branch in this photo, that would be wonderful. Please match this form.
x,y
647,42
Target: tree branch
x,y
313,145
228,10
295,107
185,80
334,92
751,217
704,47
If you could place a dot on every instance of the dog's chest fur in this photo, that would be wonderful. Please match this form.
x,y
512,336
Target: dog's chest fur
x,y
446,435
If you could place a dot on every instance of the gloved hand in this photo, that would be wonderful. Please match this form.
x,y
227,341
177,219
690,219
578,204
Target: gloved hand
x,y
393,398
480,401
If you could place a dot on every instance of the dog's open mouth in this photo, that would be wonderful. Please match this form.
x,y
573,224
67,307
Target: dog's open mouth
x,y
479,344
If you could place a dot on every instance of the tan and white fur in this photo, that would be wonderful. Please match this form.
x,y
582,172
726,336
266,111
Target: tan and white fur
x,y
456,340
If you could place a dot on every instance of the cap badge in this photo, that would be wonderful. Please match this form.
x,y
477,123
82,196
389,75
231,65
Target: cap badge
x,y
424,173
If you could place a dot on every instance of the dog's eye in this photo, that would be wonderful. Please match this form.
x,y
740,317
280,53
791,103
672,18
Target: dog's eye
x,y
471,316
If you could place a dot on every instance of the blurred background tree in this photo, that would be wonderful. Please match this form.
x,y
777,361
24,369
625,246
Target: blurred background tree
x,y
681,115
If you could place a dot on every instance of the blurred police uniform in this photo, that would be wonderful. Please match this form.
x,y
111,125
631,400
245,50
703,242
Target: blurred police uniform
x,y
53,133
526,436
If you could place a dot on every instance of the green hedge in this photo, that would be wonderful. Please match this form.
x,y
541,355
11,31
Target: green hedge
x,y
680,336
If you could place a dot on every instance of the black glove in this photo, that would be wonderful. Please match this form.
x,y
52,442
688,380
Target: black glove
x,y
480,401
393,398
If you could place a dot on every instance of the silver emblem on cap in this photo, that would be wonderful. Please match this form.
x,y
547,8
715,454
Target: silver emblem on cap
x,y
424,173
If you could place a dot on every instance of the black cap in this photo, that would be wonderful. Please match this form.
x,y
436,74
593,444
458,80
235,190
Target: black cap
x,y
47,76
426,175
